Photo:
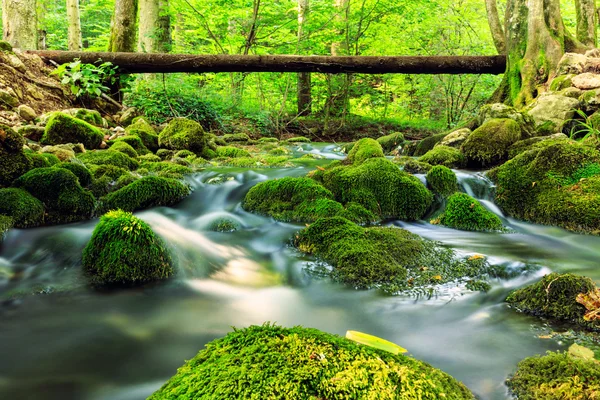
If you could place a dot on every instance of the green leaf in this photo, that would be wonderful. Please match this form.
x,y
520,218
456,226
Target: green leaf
x,y
375,342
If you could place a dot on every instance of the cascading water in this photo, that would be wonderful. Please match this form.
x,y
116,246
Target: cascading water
x,y
71,342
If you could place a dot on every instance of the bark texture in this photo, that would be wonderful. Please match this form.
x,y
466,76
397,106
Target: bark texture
x,y
154,26
19,23
495,26
123,27
74,37
304,79
586,22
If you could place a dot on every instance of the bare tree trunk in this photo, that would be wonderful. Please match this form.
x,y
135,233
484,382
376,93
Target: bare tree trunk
x,y
19,23
586,22
74,39
123,27
304,79
495,26
154,26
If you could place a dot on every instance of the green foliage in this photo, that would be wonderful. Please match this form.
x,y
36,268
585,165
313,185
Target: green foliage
x,y
584,127
13,161
183,134
87,79
556,376
124,250
488,145
107,157
446,156
25,210
442,181
151,191
62,128
264,362
465,213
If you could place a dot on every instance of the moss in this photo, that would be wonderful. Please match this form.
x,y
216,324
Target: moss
x,y
224,225
391,142
111,171
271,362
231,152
51,159
90,116
411,165
236,137
278,151
165,154
446,156
134,141
532,144
268,140
364,149
13,161
124,148
63,128
167,168
442,181
555,297
556,376
5,46
396,193
6,223
183,134
184,154
465,213
151,191
60,191
149,158
108,157
488,145
25,210
423,146
298,139
124,250
81,172
102,186
62,152
38,160
142,129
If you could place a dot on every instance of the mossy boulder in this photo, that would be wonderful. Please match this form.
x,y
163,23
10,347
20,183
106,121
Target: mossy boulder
x,y
465,213
391,142
231,152
25,210
166,169
145,131
108,157
151,191
63,128
555,297
442,181
224,225
81,172
298,139
534,143
134,141
235,137
124,250
364,149
60,191
455,139
488,145
92,117
501,111
124,148
446,156
423,146
554,376
183,134
62,152
13,161
271,362
411,165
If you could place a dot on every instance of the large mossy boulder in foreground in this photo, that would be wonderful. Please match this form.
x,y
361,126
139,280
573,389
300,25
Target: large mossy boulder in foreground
x,y
124,250
25,210
13,161
555,297
59,189
488,145
465,213
63,128
554,184
183,134
271,362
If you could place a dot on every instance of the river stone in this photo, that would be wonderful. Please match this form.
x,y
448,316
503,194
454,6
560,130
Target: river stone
x,y
128,115
8,99
587,81
31,132
26,112
554,108
572,63
455,139
571,92
16,62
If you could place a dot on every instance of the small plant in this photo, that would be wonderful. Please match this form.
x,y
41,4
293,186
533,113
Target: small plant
x,y
584,127
88,79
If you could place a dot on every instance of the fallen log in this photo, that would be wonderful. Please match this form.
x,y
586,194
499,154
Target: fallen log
x,y
170,63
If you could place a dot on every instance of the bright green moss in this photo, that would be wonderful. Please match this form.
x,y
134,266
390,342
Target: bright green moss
x,y
556,376
532,144
149,157
411,165
108,157
60,191
183,134
271,362
151,191
51,159
231,152
81,172
90,116
124,250
278,151
124,148
184,154
134,141
446,156
13,161
165,154
25,210
167,169
224,225
235,137
423,146
391,142
62,128
488,145
555,297
465,213
397,194
364,149
38,160
298,139
110,171
268,140
142,129
442,181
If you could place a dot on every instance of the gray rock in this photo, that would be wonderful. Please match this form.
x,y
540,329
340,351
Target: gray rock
x,y
554,108
572,63
26,112
16,62
455,139
8,99
586,81
31,132
128,115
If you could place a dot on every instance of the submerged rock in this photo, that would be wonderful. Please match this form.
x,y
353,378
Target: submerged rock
x,y
268,362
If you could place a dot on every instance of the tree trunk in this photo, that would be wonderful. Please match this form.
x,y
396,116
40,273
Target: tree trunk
x,y
586,22
19,23
74,39
154,26
338,101
123,27
304,79
495,26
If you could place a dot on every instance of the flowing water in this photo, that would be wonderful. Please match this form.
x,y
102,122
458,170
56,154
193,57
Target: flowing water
x,y
71,342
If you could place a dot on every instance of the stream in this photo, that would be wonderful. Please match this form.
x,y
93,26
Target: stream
x,y
72,342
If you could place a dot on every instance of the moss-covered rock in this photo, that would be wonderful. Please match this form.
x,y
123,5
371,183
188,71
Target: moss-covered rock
x,y
183,134
423,146
456,138
364,149
555,297
166,169
446,156
268,140
108,157
488,145
134,141
90,116
151,191
6,223
465,213
60,191
124,250
298,139
146,132
149,158
556,376
224,225
37,160
62,152
81,172
235,137
442,181
62,128
124,148
13,161
391,142
534,143
231,152
25,210
269,362
411,165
